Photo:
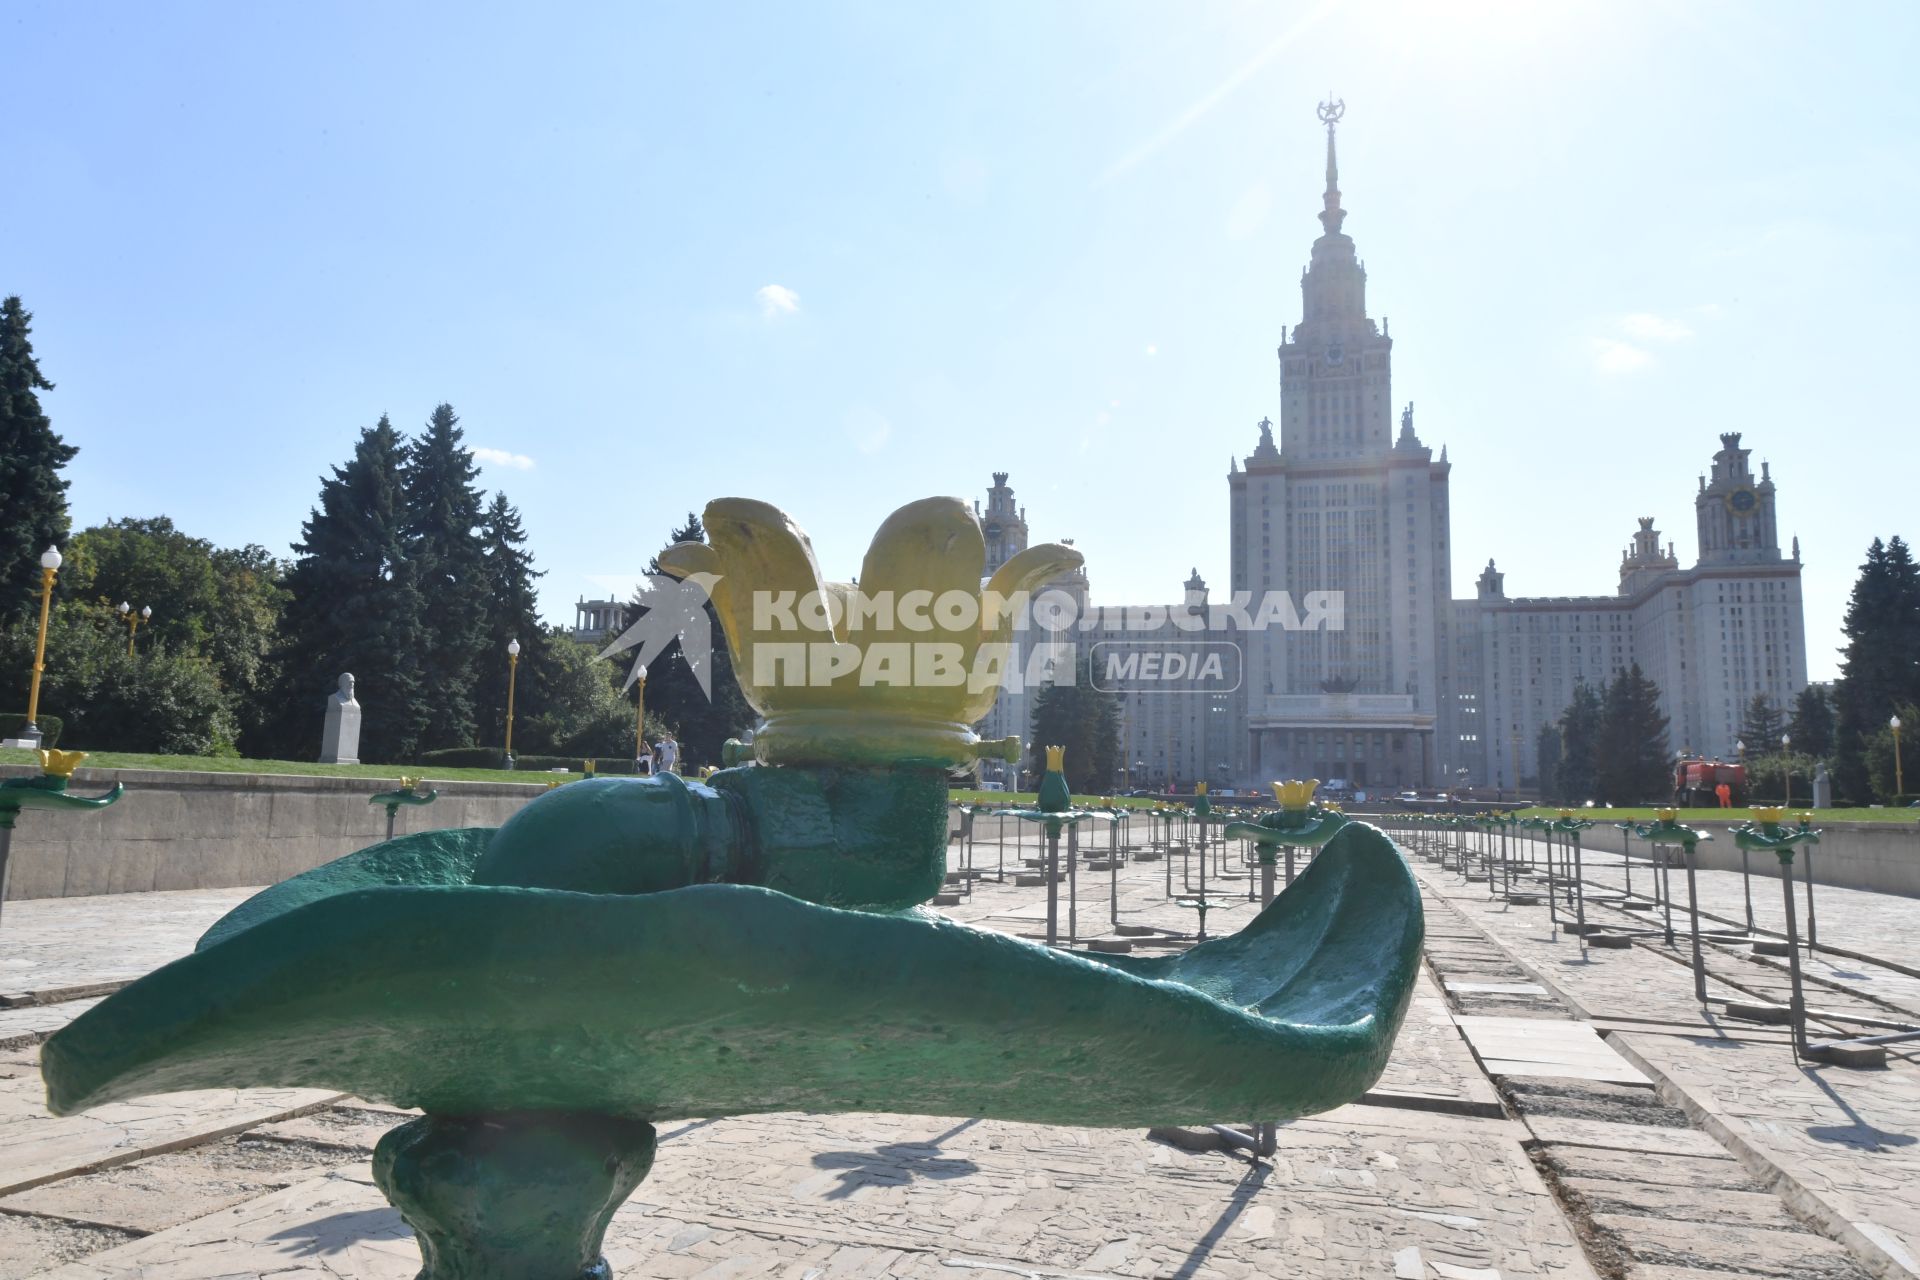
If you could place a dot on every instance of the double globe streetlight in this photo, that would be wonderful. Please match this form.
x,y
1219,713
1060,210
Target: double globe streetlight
x,y
134,621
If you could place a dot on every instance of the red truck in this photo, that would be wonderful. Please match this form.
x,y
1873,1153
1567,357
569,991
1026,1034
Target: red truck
x,y
1697,783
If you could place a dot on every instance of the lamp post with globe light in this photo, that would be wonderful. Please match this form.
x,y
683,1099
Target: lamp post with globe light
x,y
513,674
1899,776
49,567
1786,766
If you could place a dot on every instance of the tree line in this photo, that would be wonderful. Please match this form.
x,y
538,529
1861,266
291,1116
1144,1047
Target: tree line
x,y
406,574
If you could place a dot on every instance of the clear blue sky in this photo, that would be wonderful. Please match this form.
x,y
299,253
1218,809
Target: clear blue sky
x,y
840,256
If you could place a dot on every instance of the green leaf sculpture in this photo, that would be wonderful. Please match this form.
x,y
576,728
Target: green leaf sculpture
x,y
624,951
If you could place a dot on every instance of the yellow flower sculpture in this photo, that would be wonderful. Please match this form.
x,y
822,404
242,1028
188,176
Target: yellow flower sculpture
x,y
1296,796
1768,813
894,670
60,764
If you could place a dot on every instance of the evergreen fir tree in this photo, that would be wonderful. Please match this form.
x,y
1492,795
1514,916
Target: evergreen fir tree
x,y
443,515
33,497
1812,723
1631,764
1574,777
1547,749
1761,726
1085,721
354,605
512,614
1880,665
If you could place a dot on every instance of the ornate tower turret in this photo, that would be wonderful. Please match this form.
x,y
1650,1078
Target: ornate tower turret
x,y
1003,523
1644,561
1734,511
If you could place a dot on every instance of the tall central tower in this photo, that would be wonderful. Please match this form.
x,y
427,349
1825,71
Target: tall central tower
x,y
1342,508
1335,367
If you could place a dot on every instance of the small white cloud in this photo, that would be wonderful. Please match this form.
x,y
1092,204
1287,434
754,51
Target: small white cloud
x,y
776,300
1612,356
502,458
1152,350
1649,327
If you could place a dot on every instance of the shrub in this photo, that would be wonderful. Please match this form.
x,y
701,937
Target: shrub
x,y
12,723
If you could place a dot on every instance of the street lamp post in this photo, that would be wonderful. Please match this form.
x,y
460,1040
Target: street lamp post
x,y
1899,776
639,716
1740,749
49,566
133,621
1786,766
513,675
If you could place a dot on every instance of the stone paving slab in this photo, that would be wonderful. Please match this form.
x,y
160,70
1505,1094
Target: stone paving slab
x,y
36,1147
1546,1047
30,1024
57,944
1642,1139
1361,1192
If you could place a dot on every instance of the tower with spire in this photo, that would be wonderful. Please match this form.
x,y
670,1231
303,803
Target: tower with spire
x,y
1336,398
1344,505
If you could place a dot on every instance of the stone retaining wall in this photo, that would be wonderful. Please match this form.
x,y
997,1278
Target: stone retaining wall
x,y
1880,856
224,830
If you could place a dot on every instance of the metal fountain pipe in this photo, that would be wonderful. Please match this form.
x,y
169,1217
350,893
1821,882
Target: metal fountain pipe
x,y
1663,832
1766,832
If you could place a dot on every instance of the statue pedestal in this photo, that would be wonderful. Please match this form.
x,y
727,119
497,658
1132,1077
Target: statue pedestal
x,y
513,1195
340,735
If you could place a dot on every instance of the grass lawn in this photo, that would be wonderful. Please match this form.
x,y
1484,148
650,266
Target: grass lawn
x,y
388,773
1697,817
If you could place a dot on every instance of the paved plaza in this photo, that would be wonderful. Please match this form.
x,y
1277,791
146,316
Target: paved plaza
x,y
1551,1110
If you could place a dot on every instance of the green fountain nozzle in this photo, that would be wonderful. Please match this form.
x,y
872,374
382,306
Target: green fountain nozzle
x,y
49,790
408,792
1055,797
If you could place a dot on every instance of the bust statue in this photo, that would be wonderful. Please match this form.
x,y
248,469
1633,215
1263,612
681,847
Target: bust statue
x,y
340,734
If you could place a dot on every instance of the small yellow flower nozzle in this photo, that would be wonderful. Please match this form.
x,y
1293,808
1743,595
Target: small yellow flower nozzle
x,y
1768,813
1056,759
1199,788
1666,815
1566,813
408,784
1296,795
60,764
